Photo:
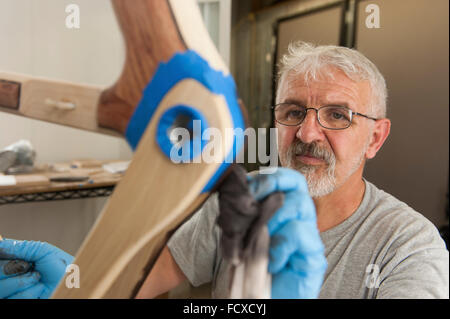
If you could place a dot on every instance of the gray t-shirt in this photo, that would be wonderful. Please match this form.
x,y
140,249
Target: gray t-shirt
x,y
385,249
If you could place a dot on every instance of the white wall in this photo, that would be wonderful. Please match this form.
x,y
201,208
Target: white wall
x,y
35,40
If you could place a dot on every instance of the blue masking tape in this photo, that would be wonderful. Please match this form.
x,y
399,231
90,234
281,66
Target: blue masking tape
x,y
193,143
187,65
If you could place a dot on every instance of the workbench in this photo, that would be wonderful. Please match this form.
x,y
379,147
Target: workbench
x,y
70,180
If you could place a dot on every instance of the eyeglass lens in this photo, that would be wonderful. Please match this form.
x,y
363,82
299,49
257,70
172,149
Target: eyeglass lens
x,y
333,117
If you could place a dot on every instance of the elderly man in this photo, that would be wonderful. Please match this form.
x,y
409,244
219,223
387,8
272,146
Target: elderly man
x,y
331,118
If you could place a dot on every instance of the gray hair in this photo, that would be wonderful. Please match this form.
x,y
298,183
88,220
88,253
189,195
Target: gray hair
x,y
309,59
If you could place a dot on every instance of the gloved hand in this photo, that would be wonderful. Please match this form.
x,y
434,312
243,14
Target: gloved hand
x,y
48,267
15,277
297,262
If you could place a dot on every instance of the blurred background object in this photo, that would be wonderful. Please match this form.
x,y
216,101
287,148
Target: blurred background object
x,y
17,158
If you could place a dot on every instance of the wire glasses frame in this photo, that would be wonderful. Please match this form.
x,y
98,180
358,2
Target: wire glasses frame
x,y
342,121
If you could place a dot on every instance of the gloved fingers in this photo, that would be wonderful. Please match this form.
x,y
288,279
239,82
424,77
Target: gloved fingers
x,y
297,205
312,262
283,180
53,267
12,285
40,253
11,268
49,261
34,292
20,249
290,284
295,236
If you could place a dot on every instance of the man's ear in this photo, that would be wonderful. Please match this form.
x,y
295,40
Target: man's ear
x,y
379,135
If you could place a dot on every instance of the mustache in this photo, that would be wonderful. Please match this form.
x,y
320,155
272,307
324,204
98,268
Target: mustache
x,y
312,149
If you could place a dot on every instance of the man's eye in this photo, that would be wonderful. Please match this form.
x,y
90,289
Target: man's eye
x,y
337,116
333,114
295,114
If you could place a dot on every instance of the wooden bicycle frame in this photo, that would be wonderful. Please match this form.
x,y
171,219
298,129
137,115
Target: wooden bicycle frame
x,y
155,195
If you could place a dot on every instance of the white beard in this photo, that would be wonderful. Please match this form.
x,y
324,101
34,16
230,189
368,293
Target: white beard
x,y
326,182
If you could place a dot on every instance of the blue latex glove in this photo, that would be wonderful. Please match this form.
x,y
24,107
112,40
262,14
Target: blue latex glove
x,y
15,277
49,266
297,261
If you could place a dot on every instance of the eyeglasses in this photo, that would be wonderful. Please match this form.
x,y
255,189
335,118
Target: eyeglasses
x,y
333,117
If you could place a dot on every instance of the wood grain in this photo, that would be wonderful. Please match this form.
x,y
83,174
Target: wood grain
x,y
151,37
153,197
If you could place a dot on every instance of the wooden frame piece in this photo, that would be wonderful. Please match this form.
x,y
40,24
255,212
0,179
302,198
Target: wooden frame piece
x,y
155,195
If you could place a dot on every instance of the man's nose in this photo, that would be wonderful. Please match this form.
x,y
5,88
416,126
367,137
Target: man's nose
x,y
310,129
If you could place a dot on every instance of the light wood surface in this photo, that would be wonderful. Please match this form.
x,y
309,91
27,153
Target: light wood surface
x,y
24,181
59,102
86,163
192,29
40,180
152,198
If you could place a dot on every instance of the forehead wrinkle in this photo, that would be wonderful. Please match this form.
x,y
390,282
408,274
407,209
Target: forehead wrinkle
x,y
339,98
326,90
320,95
